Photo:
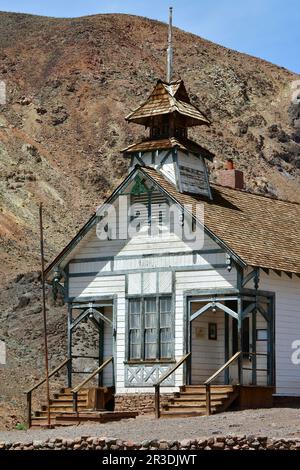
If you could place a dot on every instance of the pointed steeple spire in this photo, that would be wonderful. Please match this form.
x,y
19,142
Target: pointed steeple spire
x,y
168,113
170,48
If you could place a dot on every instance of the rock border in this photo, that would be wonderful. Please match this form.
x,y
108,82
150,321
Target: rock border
x,y
235,442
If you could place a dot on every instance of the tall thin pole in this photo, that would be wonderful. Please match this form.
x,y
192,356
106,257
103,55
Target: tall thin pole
x,y
170,49
44,315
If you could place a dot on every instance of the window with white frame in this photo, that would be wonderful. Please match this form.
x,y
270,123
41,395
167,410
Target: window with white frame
x,y
150,328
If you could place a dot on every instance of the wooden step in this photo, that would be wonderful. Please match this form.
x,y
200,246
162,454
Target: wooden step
x,y
191,407
44,414
65,401
182,414
94,416
201,395
68,391
202,388
189,401
61,408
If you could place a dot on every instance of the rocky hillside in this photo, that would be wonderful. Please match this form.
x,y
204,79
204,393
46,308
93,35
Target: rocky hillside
x,y
70,82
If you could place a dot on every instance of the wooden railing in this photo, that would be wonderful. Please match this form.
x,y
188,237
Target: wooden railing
x,y
164,377
29,392
207,383
85,381
239,355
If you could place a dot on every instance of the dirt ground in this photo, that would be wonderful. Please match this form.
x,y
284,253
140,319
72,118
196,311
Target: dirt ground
x,y
273,423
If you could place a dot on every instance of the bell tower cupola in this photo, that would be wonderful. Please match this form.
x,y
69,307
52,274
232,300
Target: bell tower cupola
x,y
168,114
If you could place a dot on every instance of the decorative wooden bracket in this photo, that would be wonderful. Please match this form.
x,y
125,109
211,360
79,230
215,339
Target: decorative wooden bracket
x,y
252,275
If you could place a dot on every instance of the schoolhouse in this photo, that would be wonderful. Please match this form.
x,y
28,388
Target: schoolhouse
x,y
193,288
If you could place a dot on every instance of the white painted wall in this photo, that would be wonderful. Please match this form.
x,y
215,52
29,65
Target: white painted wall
x,y
207,355
287,329
147,274
167,169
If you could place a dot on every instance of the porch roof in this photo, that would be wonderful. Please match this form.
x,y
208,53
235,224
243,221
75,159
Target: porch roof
x,y
262,231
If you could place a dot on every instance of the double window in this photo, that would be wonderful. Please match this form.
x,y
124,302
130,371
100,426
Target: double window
x,y
150,328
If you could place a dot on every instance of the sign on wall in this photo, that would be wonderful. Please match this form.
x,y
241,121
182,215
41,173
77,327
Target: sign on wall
x,y
193,180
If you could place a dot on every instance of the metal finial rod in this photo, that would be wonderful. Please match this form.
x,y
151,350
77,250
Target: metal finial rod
x,y
170,49
44,315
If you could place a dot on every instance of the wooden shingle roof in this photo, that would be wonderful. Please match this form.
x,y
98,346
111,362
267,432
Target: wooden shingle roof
x,y
168,143
262,231
167,99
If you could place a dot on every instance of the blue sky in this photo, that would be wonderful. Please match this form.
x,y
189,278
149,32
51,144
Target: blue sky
x,y
264,28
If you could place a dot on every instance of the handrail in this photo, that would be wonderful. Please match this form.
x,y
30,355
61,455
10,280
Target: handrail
x,y
76,389
237,355
29,392
224,366
162,378
53,372
207,383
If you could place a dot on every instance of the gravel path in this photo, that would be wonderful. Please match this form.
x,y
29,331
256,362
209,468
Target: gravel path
x,y
276,422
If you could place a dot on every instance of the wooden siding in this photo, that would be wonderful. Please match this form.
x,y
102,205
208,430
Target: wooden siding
x,y
287,329
207,355
145,265
89,286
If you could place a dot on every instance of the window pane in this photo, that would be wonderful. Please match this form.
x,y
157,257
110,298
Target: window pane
x,y
150,305
165,320
165,335
135,344
134,306
150,343
166,341
166,350
150,320
134,329
165,304
134,321
135,351
150,351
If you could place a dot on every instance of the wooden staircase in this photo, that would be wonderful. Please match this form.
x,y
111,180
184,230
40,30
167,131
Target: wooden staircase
x,y
191,400
91,406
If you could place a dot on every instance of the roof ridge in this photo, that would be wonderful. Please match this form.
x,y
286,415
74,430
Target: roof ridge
x,y
267,196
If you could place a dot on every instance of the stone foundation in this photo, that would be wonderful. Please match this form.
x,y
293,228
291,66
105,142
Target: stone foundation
x,y
140,402
103,443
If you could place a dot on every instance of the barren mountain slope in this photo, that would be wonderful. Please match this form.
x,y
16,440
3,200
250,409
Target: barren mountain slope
x,y
70,83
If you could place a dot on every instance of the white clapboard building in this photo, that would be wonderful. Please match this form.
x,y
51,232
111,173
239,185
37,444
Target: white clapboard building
x,y
193,287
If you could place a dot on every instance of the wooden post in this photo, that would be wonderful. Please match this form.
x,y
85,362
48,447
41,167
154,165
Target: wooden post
x,y
157,401
226,334
29,409
208,400
240,358
44,315
75,402
253,357
101,350
69,366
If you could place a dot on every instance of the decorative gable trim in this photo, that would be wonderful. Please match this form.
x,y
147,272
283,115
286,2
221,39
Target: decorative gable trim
x,y
95,217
